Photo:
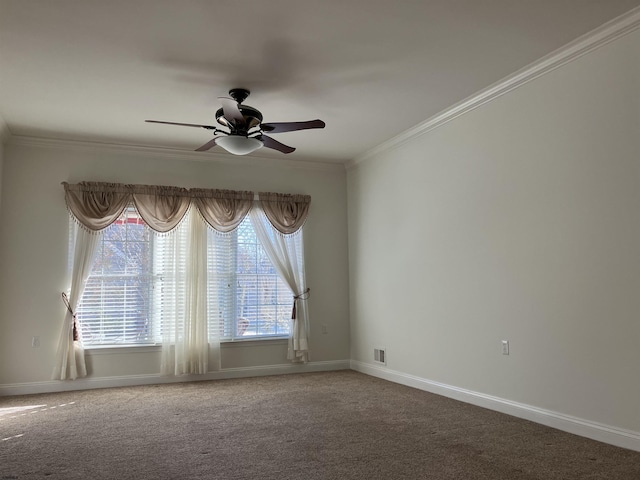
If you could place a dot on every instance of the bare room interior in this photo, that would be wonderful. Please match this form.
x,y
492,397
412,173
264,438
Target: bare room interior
x,y
464,177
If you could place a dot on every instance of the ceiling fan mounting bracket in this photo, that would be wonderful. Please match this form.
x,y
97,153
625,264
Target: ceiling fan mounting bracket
x,y
239,94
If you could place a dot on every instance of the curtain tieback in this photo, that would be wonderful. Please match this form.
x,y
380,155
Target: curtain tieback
x,y
301,296
65,300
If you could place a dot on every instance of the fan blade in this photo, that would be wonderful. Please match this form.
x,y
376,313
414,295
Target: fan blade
x,y
280,127
276,145
208,127
210,144
231,110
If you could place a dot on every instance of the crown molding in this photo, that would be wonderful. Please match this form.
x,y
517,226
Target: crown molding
x,y
172,153
606,33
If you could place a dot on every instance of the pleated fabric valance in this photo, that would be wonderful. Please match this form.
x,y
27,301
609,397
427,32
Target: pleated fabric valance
x,y
287,213
96,205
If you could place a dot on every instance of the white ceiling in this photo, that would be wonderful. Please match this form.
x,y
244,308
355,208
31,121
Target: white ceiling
x,y
92,70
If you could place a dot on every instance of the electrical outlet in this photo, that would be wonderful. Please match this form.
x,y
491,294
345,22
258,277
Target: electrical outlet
x,y
505,347
325,328
35,342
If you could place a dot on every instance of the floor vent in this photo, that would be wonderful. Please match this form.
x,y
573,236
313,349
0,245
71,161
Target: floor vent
x,y
380,355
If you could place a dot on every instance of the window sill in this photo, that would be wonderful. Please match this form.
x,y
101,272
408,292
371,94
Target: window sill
x,y
154,348
113,349
254,342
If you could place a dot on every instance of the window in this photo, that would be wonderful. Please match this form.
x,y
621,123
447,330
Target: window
x,y
124,300
116,305
254,301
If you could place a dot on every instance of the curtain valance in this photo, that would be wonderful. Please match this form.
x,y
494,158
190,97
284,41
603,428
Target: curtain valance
x,y
287,213
224,210
96,205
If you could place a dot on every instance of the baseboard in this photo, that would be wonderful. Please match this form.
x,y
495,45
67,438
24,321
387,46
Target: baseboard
x,y
578,426
133,380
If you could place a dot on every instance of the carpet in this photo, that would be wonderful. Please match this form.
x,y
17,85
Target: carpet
x,y
329,425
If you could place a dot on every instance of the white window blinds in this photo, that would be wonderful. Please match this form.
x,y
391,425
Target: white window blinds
x,y
137,287
116,307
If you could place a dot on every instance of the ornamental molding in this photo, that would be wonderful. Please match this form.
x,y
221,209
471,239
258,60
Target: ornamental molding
x,y
608,32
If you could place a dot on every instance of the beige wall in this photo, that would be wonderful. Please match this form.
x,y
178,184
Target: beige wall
x,y
521,221
1,165
34,250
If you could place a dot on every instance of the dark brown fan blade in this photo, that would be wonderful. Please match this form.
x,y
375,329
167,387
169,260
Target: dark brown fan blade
x,y
280,127
208,127
210,144
276,145
231,111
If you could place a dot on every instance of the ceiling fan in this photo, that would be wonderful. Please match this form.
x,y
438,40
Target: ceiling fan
x,y
243,130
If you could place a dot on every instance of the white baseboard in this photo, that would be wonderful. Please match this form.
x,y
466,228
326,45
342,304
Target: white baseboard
x,y
88,383
578,426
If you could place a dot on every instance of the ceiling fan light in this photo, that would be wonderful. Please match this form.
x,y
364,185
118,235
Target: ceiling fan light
x,y
239,145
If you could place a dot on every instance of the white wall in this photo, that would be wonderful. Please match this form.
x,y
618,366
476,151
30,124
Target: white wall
x,y
519,220
1,165
34,250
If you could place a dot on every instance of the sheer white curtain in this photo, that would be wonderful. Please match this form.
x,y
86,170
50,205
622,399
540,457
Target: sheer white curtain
x,y
70,362
182,267
286,253
190,335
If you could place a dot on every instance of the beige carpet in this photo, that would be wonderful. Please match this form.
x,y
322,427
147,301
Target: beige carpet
x,y
335,425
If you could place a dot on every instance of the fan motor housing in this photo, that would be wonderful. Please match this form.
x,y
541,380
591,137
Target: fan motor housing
x,y
252,118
